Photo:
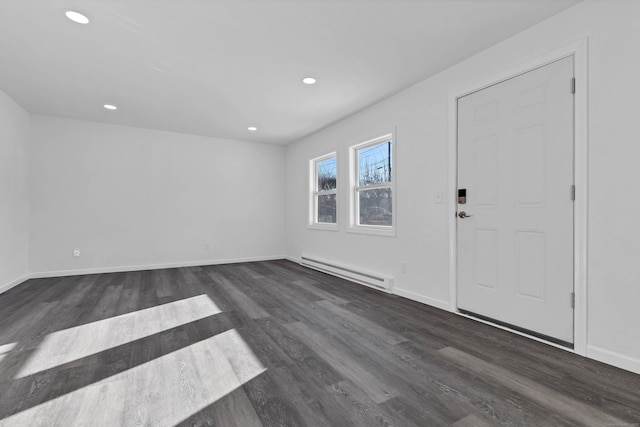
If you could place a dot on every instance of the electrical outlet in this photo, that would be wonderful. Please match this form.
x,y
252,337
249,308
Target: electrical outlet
x,y
403,266
207,246
76,253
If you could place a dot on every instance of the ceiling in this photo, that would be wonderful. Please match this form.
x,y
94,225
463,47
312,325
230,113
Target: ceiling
x,y
216,67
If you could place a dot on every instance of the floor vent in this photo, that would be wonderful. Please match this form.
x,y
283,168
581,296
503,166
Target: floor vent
x,y
383,283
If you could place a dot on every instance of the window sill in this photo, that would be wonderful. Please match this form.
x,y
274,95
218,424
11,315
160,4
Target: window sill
x,y
320,226
373,230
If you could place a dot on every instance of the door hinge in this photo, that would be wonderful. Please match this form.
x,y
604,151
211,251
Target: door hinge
x,y
573,193
573,85
573,300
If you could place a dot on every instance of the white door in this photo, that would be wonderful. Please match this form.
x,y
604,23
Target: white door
x,y
515,160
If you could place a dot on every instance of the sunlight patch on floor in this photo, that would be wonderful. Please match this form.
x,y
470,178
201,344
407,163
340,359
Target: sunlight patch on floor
x,y
162,392
5,349
67,345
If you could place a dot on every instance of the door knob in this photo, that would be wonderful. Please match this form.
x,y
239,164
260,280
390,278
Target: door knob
x,y
463,214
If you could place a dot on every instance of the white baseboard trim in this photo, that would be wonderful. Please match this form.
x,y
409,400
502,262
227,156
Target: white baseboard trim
x,y
14,283
120,269
434,302
613,358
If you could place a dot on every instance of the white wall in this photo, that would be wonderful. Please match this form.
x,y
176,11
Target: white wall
x,y
14,201
129,197
421,116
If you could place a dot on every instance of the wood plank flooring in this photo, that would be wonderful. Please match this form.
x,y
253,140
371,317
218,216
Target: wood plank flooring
x,y
275,344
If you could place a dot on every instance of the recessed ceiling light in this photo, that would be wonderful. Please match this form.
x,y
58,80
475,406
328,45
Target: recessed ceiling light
x,y
309,81
110,107
76,17
252,128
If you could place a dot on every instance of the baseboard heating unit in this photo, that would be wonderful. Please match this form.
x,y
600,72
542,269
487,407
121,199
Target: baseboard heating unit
x,y
374,280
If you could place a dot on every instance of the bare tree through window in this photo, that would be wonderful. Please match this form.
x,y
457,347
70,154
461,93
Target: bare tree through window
x,y
325,190
373,190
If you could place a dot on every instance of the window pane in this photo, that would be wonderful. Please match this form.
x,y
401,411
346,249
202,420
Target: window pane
x,y
375,206
327,208
374,164
326,174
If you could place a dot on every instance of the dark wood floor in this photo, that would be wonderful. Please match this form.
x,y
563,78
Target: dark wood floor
x,y
275,344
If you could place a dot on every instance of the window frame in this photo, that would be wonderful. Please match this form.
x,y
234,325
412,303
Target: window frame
x,y
314,194
356,188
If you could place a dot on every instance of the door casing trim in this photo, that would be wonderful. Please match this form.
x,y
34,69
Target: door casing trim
x,y
579,50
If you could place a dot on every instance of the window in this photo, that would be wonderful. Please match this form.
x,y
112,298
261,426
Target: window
x,y
372,181
324,192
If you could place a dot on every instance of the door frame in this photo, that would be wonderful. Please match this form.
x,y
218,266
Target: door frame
x,y
579,51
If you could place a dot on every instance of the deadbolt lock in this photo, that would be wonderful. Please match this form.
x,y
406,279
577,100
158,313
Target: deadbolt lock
x,y
462,196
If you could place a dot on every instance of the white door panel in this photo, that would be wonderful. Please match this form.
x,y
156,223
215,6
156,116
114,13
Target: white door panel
x,y
515,159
